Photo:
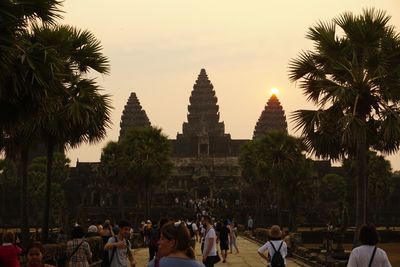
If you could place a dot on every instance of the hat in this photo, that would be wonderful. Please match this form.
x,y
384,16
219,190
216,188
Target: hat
x,y
275,232
148,221
92,229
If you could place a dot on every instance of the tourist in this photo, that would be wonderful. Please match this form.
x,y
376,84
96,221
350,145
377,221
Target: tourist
x,y
289,243
274,245
153,237
194,232
34,256
224,240
210,256
368,254
155,262
107,230
9,251
174,246
92,231
233,237
119,247
78,250
250,224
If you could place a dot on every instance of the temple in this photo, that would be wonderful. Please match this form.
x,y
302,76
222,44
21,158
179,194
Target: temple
x,y
271,119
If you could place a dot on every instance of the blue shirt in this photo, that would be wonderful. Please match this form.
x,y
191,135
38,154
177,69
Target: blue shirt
x,y
179,262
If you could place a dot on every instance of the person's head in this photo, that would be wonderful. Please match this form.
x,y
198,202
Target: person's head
x,y
124,229
8,237
275,232
34,254
175,237
368,235
206,220
107,224
77,232
92,229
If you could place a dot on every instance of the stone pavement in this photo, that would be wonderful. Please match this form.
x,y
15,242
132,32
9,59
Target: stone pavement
x,y
248,256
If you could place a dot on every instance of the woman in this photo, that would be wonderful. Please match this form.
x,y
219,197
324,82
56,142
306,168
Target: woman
x,y
368,254
9,252
233,237
274,245
174,246
78,250
34,256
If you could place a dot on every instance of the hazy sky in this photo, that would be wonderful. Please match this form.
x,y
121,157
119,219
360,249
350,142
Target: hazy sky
x,y
157,48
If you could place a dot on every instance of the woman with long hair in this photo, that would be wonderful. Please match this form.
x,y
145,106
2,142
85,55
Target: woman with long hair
x,y
174,246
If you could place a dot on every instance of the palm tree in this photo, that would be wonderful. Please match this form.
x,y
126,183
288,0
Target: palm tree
x,y
353,76
78,112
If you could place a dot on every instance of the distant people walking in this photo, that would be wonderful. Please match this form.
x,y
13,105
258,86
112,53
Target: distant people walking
x,y
174,246
368,254
154,236
194,233
34,256
210,256
78,250
289,243
233,237
9,251
119,247
276,248
224,240
250,224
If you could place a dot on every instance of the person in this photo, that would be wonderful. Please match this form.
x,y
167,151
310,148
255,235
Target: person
x,y
194,232
155,262
224,233
174,246
92,231
289,243
368,254
233,237
274,245
9,251
119,247
154,236
78,250
250,224
34,255
61,237
210,255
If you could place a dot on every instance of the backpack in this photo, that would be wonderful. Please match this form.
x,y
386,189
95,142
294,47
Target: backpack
x,y
190,228
277,260
106,259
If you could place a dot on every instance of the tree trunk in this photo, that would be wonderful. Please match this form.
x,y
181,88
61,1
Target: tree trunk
x,y
362,182
24,195
121,204
46,217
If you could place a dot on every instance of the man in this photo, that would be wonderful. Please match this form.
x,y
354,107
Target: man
x,y
119,247
224,240
194,232
250,224
210,243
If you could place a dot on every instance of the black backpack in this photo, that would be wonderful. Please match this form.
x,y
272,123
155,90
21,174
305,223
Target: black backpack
x,y
277,260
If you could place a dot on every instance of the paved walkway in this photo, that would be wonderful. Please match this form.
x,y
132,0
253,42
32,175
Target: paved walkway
x,y
248,256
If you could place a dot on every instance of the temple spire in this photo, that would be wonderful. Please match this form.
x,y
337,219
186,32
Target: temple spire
x,y
133,116
203,116
272,118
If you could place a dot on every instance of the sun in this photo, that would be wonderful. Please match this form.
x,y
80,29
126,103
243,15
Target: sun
x,y
274,91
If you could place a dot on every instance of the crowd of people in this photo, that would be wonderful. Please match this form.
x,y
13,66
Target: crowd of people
x,y
172,243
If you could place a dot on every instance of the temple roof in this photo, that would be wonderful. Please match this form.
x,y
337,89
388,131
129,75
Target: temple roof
x,y
133,116
272,118
203,116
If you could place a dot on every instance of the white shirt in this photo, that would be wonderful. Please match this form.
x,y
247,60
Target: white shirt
x,y
210,235
271,251
360,257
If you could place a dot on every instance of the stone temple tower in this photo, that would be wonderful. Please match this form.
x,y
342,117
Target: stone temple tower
x,y
133,116
272,118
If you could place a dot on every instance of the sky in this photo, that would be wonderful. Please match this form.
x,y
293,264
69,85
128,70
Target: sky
x,y
157,48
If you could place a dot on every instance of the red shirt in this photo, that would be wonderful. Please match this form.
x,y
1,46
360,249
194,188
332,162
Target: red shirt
x,y
9,255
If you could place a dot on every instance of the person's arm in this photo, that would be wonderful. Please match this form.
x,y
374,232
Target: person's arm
x,y
352,260
261,251
111,244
